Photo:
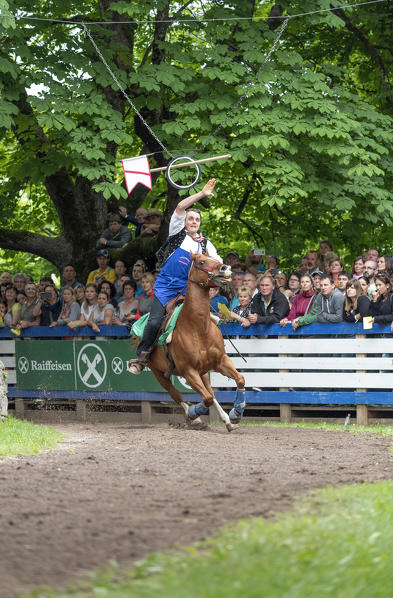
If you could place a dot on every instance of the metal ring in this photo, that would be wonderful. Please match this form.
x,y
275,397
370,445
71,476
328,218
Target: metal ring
x,y
168,172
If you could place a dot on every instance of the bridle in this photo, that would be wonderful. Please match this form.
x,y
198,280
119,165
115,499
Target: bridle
x,y
211,277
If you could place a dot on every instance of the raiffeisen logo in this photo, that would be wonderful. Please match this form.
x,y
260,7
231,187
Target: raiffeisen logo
x,y
49,366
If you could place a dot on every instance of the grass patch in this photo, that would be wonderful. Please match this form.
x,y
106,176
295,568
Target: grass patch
x,y
19,437
380,429
336,543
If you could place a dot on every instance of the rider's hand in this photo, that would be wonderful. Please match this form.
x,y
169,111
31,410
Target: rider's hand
x,y
209,187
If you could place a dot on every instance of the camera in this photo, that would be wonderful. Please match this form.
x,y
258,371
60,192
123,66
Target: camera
x,y
259,251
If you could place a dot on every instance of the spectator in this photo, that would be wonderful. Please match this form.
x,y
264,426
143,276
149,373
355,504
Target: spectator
x,y
254,262
152,222
357,267
104,271
357,304
120,270
138,220
48,306
26,316
269,305
303,302
87,306
385,264
3,287
44,281
109,288
342,281
280,280
237,282
382,308
272,262
80,293
11,317
3,311
126,310
123,279
19,281
363,281
335,267
369,271
116,235
328,257
69,278
216,298
138,271
21,297
102,313
146,298
329,302
250,281
231,258
312,262
316,277
303,266
293,286
70,309
241,312
5,278
372,254
324,247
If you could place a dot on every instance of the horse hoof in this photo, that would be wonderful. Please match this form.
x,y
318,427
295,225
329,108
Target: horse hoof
x,y
231,427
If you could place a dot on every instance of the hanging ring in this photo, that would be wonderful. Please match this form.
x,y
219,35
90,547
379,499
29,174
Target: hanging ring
x,y
172,164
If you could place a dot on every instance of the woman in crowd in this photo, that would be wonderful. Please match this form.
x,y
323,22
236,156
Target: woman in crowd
x,y
87,306
335,267
127,308
109,288
303,302
145,300
70,309
102,313
364,283
385,264
357,304
120,270
12,307
382,308
357,267
21,297
280,281
79,293
240,312
293,286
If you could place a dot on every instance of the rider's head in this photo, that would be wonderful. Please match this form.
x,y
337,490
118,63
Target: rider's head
x,y
193,221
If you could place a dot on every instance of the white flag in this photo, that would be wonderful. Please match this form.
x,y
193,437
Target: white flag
x,y
137,170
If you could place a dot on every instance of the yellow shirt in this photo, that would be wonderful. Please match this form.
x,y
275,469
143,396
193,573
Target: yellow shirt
x,y
95,276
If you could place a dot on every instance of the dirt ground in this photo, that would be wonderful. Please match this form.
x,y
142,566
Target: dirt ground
x,y
122,491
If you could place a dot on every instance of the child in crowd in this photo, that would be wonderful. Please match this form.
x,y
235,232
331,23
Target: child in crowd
x,y
240,312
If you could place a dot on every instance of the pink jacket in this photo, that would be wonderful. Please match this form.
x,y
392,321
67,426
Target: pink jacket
x,y
300,304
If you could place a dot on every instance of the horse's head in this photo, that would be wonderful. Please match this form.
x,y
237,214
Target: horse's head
x,y
209,272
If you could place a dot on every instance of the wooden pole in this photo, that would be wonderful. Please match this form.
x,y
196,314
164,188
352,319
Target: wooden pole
x,y
203,161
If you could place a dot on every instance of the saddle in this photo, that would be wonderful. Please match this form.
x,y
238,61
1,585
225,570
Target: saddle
x,y
170,309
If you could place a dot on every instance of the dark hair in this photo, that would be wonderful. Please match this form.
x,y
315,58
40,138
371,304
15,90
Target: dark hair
x,y
343,273
111,286
104,293
327,277
326,242
296,274
130,283
388,264
384,277
357,259
307,276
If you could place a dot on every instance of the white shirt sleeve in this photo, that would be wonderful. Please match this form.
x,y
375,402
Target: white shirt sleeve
x,y
212,251
176,223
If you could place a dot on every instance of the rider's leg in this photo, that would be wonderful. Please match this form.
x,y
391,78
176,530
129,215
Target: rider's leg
x,y
146,345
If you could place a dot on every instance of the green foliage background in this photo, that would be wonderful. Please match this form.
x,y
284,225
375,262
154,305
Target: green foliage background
x,y
311,145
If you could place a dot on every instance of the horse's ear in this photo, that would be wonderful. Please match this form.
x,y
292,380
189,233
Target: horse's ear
x,y
193,256
207,253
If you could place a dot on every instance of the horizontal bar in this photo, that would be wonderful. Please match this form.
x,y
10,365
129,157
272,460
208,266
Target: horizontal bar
x,y
202,161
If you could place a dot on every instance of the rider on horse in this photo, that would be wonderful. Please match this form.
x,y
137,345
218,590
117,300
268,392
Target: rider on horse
x,y
184,237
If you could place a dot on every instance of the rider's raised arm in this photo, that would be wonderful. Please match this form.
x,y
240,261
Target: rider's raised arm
x,y
189,201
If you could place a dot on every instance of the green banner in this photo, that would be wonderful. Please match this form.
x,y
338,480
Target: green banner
x,y
95,365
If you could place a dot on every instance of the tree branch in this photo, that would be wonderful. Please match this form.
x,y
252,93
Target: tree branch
x,y
54,249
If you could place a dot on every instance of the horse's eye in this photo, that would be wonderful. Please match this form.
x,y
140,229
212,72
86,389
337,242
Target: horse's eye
x,y
202,262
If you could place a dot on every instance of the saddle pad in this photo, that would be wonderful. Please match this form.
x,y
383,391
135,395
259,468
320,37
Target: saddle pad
x,y
139,326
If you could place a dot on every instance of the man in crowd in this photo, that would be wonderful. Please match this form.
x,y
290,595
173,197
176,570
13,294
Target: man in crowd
x,y
342,280
269,306
250,281
369,271
5,278
329,303
104,271
138,220
372,254
26,316
19,281
254,262
312,262
152,222
69,279
138,271
317,280
116,235
231,258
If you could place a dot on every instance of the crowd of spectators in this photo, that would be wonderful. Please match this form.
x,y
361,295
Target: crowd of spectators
x,y
320,289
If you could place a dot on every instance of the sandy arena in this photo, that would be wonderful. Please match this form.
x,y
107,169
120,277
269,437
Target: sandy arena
x,y
122,491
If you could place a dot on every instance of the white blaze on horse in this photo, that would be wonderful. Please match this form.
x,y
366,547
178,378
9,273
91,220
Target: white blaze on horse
x,y
197,345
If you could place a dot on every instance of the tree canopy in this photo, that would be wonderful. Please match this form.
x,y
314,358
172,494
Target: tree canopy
x,y
311,142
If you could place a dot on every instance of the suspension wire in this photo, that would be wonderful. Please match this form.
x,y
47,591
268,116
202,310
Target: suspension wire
x,y
225,19
251,84
87,32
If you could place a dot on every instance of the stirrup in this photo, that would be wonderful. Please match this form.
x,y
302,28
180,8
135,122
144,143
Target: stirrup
x,y
135,366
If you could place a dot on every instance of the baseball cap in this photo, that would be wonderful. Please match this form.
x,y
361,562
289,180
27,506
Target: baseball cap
x,y
103,252
318,273
233,253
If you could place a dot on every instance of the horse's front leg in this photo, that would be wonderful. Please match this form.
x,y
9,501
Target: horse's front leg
x,y
221,413
239,404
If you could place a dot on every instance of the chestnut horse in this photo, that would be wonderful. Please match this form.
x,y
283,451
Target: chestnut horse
x,y
197,344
